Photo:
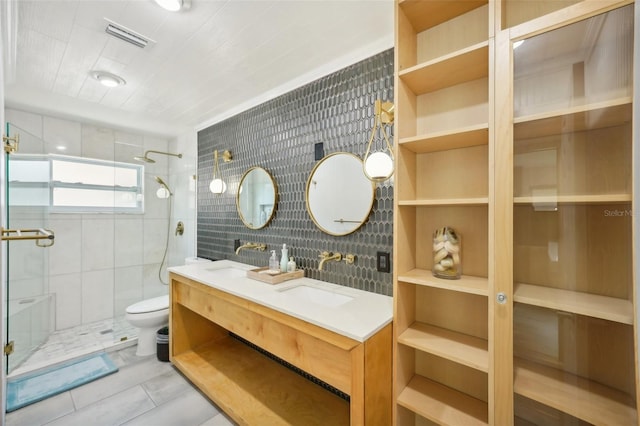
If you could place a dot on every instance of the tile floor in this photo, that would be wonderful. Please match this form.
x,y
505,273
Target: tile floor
x,y
144,392
77,341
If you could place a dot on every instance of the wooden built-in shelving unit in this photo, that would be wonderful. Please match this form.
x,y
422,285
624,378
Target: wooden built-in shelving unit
x,y
583,117
527,152
441,404
443,136
581,398
575,199
466,284
447,202
458,67
593,305
448,139
461,348
572,227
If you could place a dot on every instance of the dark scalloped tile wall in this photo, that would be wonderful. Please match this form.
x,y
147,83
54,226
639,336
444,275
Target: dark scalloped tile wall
x,y
279,135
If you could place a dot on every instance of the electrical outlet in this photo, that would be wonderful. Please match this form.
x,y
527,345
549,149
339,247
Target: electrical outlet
x,y
383,262
236,244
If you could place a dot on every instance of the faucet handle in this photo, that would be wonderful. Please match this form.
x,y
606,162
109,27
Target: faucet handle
x,y
324,255
349,258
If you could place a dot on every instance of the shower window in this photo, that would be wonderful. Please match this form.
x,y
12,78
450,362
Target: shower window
x,y
86,185
79,185
29,180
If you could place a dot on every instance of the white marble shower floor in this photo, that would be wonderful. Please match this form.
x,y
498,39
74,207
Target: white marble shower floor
x,y
77,341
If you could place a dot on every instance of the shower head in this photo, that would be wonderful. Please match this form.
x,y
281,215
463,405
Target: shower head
x,y
161,182
146,158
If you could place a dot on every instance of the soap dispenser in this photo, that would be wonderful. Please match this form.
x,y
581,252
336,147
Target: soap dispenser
x,y
274,265
284,258
291,266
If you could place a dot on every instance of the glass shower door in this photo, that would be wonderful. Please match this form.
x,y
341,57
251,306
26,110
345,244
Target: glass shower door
x,y
29,305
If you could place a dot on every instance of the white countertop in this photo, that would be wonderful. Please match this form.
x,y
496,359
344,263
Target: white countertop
x,y
359,315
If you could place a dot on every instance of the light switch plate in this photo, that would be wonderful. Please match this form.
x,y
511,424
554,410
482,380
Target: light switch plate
x,y
383,261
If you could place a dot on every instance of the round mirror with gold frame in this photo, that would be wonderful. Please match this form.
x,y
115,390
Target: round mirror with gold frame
x,y
257,197
339,196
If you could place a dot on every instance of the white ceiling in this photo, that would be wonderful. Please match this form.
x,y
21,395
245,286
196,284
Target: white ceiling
x,y
208,63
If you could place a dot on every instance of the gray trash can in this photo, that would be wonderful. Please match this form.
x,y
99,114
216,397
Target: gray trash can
x,y
162,344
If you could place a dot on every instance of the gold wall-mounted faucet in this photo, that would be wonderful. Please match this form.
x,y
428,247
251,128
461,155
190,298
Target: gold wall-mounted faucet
x,y
326,256
255,246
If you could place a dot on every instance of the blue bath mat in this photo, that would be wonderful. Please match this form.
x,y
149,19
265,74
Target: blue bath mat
x,y
34,387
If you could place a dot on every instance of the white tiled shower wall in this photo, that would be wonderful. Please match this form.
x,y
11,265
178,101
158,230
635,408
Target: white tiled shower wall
x,y
101,263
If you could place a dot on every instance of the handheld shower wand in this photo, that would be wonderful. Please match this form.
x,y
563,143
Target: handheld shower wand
x,y
160,194
161,182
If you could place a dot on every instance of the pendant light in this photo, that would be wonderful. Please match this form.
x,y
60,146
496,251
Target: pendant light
x,y
379,165
217,185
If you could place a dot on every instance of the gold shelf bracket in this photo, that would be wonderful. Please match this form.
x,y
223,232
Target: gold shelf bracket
x,y
11,143
42,237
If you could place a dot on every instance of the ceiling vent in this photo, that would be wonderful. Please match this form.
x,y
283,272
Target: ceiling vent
x,y
124,33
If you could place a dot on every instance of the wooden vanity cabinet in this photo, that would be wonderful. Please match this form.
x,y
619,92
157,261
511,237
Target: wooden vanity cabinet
x,y
527,150
252,387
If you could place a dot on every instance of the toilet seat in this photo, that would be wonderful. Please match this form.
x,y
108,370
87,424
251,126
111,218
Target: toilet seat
x,y
149,305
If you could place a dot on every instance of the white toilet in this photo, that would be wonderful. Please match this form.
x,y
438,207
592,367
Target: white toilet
x,y
150,315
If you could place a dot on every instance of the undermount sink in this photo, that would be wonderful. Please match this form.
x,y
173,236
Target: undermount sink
x,y
228,272
317,295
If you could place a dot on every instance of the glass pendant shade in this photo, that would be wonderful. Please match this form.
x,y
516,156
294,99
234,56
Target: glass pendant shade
x,y
378,166
217,186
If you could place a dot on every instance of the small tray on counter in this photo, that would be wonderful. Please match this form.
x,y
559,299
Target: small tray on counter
x,y
276,278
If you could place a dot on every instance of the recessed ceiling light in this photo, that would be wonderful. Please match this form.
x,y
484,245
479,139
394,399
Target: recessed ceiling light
x,y
174,5
61,148
108,79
